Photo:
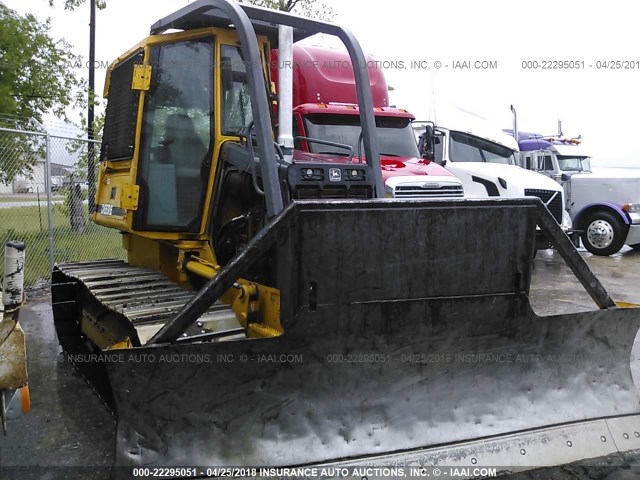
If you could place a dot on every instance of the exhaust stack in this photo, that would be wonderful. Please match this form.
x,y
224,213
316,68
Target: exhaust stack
x,y
285,89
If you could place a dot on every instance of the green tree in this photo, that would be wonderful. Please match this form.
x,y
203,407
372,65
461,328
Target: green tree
x,y
37,76
73,4
304,8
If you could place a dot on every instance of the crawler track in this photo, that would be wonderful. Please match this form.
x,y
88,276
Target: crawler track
x,y
121,301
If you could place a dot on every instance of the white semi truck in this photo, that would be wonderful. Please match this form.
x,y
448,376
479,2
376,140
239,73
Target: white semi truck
x,y
603,203
484,158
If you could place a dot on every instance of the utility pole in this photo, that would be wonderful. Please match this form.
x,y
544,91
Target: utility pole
x,y
91,170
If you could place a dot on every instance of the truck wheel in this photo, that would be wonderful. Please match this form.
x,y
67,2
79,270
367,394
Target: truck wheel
x,y
604,234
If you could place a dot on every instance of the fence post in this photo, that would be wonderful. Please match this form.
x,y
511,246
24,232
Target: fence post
x,y
49,198
76,212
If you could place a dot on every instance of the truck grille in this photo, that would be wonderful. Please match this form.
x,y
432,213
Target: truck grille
x,y
555,207
440,191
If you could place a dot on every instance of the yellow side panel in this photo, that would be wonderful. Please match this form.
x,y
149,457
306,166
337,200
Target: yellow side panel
x,y
150,253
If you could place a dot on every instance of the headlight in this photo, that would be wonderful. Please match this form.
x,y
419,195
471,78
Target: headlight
x,y
388,188
567,224
631,207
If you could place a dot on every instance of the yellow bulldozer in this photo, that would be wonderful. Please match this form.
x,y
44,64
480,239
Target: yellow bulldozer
x,y
283,313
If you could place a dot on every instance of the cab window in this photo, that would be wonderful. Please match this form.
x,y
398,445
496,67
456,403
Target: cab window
x,y
236,101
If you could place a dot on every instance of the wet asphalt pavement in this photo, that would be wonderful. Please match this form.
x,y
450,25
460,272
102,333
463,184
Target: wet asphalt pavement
x,y
69,427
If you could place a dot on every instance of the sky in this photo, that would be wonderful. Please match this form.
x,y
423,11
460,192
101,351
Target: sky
x,y
599,104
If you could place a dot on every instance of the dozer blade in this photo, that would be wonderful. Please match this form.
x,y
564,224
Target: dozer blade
x,y
407,327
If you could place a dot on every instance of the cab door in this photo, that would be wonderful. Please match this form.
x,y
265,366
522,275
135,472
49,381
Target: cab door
x,y
176,142
543,163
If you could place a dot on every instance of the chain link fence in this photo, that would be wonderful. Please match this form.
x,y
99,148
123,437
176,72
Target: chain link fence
x,y
44,201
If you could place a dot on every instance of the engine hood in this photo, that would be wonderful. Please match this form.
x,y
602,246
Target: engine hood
x,y
514,176
406,166
391,166
615,185
491,179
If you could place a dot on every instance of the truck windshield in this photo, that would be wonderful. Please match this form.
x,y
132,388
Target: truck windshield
x,y
395,135
469,148
574,164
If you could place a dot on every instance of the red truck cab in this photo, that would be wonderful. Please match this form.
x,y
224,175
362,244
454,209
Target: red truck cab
x,y
326,110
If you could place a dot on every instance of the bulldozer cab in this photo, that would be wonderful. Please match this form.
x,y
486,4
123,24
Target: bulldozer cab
x,y
193,98
177,98
281,331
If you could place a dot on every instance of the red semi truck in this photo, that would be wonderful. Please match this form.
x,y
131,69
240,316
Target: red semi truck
x,y
326,123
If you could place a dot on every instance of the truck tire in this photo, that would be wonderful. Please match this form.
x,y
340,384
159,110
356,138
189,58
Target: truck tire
x,y
604,233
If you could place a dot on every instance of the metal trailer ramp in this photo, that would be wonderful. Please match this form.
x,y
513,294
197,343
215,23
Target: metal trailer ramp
x,y
408,329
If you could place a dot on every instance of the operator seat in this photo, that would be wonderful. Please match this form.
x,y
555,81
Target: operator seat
x,y
184,148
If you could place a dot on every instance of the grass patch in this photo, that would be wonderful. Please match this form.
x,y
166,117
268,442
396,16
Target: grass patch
x,y
29,224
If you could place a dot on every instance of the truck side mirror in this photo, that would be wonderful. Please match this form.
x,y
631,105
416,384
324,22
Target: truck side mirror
x,y
427,143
